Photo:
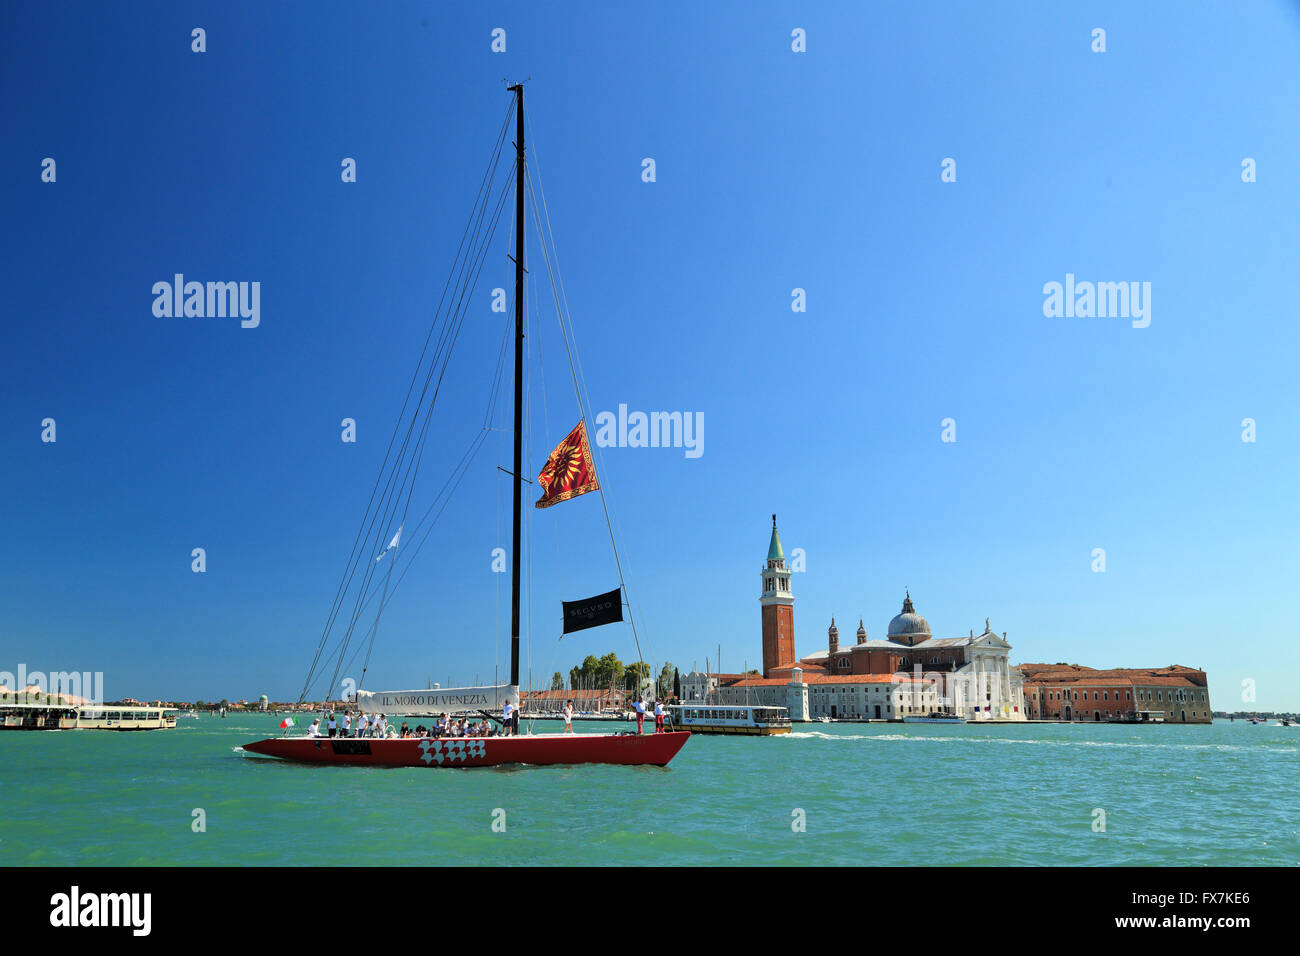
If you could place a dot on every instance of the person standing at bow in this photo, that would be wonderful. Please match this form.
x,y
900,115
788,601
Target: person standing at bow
x,y
659,716
640,714
508,712
568,716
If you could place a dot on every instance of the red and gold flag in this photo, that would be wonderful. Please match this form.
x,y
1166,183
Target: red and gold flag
x,y
569,471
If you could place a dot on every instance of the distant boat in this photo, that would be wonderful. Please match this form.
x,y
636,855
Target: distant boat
x,y
935,719
32,716
821,720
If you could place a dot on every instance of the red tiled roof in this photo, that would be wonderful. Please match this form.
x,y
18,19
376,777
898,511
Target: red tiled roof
x,y
1175,675
806,668
573,694
829,679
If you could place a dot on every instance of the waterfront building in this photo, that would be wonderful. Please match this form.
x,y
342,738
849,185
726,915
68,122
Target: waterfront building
x,y
970,676
1174,694
704,686
837,696
587,701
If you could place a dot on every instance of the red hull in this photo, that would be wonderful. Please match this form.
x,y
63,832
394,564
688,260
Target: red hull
x,y
631,749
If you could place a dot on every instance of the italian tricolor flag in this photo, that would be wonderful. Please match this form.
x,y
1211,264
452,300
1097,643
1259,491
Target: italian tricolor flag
x,y
286,723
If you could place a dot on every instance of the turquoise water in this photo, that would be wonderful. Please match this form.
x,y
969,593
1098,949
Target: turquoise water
x,y
871,794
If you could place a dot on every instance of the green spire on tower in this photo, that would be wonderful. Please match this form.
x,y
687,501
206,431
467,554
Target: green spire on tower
x,y
774,552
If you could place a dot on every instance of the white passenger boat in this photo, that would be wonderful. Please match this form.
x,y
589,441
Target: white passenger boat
x,y
935,719
739,719
31,716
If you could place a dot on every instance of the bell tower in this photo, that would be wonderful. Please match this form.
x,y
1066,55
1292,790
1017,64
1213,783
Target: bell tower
x,y
777,601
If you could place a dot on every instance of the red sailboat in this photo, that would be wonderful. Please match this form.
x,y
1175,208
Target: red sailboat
x,y
569,472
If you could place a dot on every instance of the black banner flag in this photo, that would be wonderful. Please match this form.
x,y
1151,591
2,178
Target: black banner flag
x,y
602,609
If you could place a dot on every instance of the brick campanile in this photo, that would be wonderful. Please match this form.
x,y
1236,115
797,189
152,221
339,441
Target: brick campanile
x,y
777,602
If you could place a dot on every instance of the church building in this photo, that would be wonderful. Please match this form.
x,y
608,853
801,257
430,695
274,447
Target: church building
x,y
970,676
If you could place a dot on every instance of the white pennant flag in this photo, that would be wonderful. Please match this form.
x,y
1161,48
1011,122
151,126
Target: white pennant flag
x,y
391,545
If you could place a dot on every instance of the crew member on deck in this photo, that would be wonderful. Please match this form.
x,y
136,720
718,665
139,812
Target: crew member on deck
x,y
508,717
347,724
314,729
332,726
640,714
568,716
659,716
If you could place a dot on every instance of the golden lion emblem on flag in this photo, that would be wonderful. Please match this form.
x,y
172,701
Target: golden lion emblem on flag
x,y
569,471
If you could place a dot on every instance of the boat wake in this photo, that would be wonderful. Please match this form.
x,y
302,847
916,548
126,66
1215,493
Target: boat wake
x,y
1034,741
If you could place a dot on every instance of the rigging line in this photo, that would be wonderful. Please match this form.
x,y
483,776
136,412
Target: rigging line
x,y
367,595
458,474
422,441
483,192
546,436
571,336
471,451
528,516
419,546
510,311
583,407
442,359
439,358
368,525
388,576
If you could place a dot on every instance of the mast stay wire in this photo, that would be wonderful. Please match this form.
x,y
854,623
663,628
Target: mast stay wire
x,y
579,381
354,556
447,325
391,496
413,468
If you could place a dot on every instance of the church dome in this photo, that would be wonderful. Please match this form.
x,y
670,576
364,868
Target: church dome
x,y
908,626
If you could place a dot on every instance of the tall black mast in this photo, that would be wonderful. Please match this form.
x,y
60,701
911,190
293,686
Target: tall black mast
x,y
518,90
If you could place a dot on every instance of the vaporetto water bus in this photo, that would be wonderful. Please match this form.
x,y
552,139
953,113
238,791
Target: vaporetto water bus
x,y
98,717
729,719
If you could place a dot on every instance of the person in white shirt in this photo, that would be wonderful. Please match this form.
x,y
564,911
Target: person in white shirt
x,y
363,722
383,726
332,726
640,714
568,716
508,712
659,716
347,724
314,729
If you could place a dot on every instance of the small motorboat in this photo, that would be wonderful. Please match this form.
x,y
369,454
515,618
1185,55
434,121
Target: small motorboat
x,y
936,718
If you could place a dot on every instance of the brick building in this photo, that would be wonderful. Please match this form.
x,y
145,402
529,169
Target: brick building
x,y
1174,694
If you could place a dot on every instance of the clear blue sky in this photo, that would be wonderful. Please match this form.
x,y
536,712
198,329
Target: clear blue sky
x,y
775,170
